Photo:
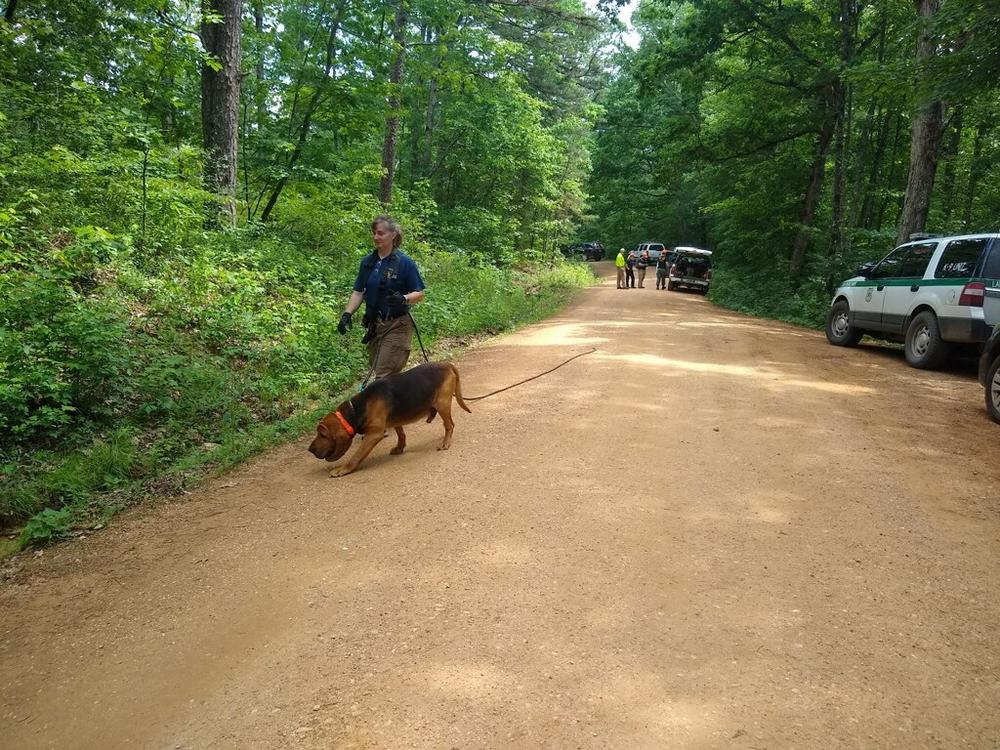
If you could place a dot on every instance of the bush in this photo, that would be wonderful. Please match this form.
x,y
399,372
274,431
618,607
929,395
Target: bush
x,y
103,351
761,295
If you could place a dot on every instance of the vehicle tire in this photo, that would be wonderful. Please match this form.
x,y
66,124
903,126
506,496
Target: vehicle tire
x,y
924,347
839,330
993,390
670,285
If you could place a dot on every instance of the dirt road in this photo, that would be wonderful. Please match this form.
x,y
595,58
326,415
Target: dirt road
x,y
715,531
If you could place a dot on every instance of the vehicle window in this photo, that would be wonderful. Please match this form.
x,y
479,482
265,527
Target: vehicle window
x,y
992,268
960,259
914,265
656,248
889,267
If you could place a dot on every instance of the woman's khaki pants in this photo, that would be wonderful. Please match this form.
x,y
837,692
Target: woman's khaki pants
x,y
391,345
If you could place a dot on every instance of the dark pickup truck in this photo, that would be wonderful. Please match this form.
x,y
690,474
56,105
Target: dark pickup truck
x,y
692,268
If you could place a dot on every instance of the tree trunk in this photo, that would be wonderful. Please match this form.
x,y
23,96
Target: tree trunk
x,y
8,14
864,194
428,139
975,173
893,175
261,103
843,107
874,174
220,101
392,121
950,156
861,162
925,140
417,129
835,251
808,212
318,95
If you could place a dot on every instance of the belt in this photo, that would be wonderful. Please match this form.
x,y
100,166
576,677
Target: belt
x,y
390,316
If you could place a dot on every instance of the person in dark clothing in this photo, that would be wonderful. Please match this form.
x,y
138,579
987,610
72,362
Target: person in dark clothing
x,y
662,270
389,282
630,262
640,267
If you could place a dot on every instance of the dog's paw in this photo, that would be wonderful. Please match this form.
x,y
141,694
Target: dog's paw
x,y
443,447
340,471
397,450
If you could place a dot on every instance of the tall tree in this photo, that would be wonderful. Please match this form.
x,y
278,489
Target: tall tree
x,y
395,96
320,93
925,136
220,100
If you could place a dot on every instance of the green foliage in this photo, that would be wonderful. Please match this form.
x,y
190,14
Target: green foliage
x,y
45,527
134,339
757,294
711,129
113,373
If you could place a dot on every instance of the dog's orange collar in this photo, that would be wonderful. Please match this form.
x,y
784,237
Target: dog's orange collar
x,y
345,423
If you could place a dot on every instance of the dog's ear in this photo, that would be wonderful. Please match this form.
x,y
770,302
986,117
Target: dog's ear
x,y
341,443
322,429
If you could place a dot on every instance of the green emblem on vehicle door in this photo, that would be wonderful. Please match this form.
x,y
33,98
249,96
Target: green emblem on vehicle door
x,y
868,297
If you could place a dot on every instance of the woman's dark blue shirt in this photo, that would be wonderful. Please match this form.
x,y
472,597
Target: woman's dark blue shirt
x,y
406,279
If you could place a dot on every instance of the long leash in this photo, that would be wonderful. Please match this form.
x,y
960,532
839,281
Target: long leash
x,y
528,380
499,390
419,340
423,351
378,348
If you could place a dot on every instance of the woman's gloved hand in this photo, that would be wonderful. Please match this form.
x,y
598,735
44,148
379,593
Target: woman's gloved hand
x,y
345,323
396,303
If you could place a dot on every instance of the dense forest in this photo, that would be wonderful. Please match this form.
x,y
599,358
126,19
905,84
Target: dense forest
x,y
185,188
797,138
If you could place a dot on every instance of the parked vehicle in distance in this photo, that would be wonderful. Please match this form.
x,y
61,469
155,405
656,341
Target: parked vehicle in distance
x,y
927,293
654,249
691,268
586,250
989,362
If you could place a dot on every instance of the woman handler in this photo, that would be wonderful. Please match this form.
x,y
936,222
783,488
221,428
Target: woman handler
x,y
388,281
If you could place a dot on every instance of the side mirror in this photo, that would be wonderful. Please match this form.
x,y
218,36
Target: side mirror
x,y
865,269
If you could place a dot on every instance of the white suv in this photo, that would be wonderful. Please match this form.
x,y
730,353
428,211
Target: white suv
x,y
654,249
928,293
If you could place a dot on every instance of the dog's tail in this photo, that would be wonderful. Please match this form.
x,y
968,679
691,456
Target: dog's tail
x,y
458,390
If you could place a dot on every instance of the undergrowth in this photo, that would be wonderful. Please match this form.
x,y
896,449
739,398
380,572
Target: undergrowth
x,y
124,376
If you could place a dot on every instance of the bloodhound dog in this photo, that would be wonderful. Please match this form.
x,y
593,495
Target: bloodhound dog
x,y
392,401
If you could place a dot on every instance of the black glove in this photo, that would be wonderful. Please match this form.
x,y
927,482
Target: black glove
x,y
345,323
396,304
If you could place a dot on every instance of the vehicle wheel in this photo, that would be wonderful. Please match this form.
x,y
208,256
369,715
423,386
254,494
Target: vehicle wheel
x,y
993,390
839,330
925,349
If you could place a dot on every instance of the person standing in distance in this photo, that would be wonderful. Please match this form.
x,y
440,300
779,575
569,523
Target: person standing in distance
x,y
620,267
640,266
388,281
662,269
